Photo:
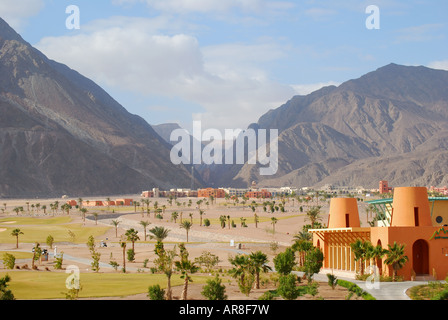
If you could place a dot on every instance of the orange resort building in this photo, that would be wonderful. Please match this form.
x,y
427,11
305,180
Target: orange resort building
x,y
259,194
215,193
411,224
100,203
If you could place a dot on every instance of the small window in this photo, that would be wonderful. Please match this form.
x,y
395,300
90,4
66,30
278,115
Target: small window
x,y
439,219
416,217
347,220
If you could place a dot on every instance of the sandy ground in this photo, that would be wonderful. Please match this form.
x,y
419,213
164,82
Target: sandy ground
x,y
200,238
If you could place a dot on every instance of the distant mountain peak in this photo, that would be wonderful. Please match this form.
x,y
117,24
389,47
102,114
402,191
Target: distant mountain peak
x,y
8,33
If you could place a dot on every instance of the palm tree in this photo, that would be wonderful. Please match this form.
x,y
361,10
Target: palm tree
x,y
256,219
83,212
223,219
302,246
174,216
123,245
396,258
186,267
144,224
201,212
158,233
115,223
274,222
313,214
16,233
243,270
187,226
378,253
361,250
95,215
303,235
259,262
132,235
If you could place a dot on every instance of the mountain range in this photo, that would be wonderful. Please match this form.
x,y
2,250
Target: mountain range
x,y
60,133
390,124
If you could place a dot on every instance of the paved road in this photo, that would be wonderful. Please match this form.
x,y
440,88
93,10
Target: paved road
x,y
380,291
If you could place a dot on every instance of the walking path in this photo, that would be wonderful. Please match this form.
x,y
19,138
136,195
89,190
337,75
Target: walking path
x,y
379,290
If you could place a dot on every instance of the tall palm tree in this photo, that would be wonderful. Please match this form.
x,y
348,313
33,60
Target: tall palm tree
x,y
116,223
95,216
16,233
123,246
145,224
201,212
259,262
396,258
83,212
378,253
158,233
274,222
132,235
187,226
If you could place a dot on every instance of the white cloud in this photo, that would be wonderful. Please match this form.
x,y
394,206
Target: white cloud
x,y
16,12
441,65
210,6
228,81
304,89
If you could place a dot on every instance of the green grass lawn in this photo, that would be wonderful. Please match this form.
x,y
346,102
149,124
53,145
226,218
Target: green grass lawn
x,y
35,221
38,230
17,254
31,285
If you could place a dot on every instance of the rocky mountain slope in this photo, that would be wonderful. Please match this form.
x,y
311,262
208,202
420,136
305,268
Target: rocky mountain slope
x,y
60,133
389,124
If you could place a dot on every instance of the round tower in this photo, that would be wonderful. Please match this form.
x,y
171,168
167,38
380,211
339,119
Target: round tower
x,y
411,207
343,213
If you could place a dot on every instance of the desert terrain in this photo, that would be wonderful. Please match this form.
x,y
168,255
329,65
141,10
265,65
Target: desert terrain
x,y
222,242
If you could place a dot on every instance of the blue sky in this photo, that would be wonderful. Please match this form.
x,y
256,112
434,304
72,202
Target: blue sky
x,y
227,62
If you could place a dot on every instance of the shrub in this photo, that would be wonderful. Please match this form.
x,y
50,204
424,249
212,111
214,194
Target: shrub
x,y
130,255
332,280
214,289
9,260
207,222
268,295
155,292
287,287
354,289
114,265
59,259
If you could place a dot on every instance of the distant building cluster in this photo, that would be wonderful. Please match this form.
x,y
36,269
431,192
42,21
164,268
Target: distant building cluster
x,y
101,203
252,192
443,190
